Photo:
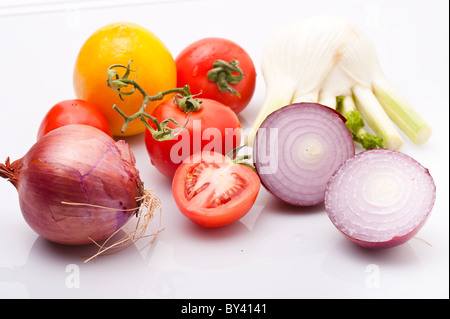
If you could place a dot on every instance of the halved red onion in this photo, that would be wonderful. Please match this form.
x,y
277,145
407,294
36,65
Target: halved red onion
x,y
380,198
296,150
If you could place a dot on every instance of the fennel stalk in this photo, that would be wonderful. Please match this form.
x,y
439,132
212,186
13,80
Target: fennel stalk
x,y
321,58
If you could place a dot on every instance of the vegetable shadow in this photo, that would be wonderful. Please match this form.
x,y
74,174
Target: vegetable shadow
x,y
278,206
212,248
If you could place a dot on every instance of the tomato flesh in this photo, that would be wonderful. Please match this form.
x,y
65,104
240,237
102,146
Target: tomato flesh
x,y
209,185
213,191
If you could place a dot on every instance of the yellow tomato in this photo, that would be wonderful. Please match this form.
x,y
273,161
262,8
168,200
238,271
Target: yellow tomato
x,y
118,43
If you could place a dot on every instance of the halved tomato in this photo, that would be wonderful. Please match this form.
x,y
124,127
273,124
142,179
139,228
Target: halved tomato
x,y
212,190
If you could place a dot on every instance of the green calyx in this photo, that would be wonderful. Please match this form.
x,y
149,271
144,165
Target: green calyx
x,y
240,159
183,98
226,73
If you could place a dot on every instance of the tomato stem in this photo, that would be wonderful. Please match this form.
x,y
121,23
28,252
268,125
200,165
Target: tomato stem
x,y
224,73
240,159
183,98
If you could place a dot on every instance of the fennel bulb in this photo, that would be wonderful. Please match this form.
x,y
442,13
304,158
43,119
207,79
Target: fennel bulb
x,y
321,58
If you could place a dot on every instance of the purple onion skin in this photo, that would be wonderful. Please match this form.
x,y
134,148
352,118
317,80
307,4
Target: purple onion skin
x,y
77,164
395,241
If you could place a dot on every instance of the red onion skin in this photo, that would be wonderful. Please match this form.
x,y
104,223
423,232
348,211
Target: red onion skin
x,y
395,241
76,164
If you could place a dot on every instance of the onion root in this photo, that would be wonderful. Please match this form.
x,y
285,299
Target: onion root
x,y
150,207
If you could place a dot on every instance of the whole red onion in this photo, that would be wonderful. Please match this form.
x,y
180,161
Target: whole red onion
x,y
76,185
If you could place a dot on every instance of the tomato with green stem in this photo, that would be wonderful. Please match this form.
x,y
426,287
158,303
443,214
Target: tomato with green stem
x,y
208,124
221,69
73,111
117,43
212,127
214,190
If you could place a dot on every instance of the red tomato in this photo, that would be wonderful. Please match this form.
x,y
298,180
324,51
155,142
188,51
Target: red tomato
x,y
212,191
73,112
194,62
215,127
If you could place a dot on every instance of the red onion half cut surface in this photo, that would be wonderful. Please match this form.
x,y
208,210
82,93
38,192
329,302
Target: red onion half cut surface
x,y
380,198
297,148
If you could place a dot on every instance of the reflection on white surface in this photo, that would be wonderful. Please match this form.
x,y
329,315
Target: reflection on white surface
x,y
276,251
55,271
309,260
371,269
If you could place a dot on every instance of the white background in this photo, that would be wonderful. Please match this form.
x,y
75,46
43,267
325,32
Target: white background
x,y
276,251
